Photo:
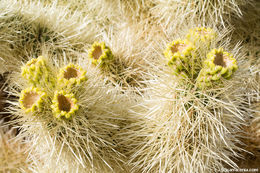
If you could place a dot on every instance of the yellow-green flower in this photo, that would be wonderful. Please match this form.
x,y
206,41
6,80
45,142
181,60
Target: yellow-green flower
x,y
218,64
179,53
71,74
100,54
64,104
201,34
32,99
36,71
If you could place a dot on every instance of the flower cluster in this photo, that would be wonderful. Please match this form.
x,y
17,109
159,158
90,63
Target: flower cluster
x,y
187,57
38,73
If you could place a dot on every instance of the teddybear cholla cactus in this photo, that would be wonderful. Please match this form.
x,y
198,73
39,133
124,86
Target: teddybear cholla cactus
x,y
76,116
218,64
117,67
186,58
219,11
184,128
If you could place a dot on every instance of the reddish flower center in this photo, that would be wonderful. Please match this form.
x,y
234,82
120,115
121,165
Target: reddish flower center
x,y
221,60
30,98
97,52
178,48
65,104
71,73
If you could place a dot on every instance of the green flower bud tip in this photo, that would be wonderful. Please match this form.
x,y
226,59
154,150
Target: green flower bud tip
x,y
221,62
99,53
32,99
71,74
201,34
64,104
34,70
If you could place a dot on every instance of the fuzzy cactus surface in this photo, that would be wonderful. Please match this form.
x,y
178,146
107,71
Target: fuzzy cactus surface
x,y
139,86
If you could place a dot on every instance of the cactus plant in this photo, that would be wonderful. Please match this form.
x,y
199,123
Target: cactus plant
x,y
27,26
115,63
128,103
80,118
186,128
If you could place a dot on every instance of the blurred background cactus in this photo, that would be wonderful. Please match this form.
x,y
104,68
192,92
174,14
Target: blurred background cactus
x,y
129,86
219,11
13,154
